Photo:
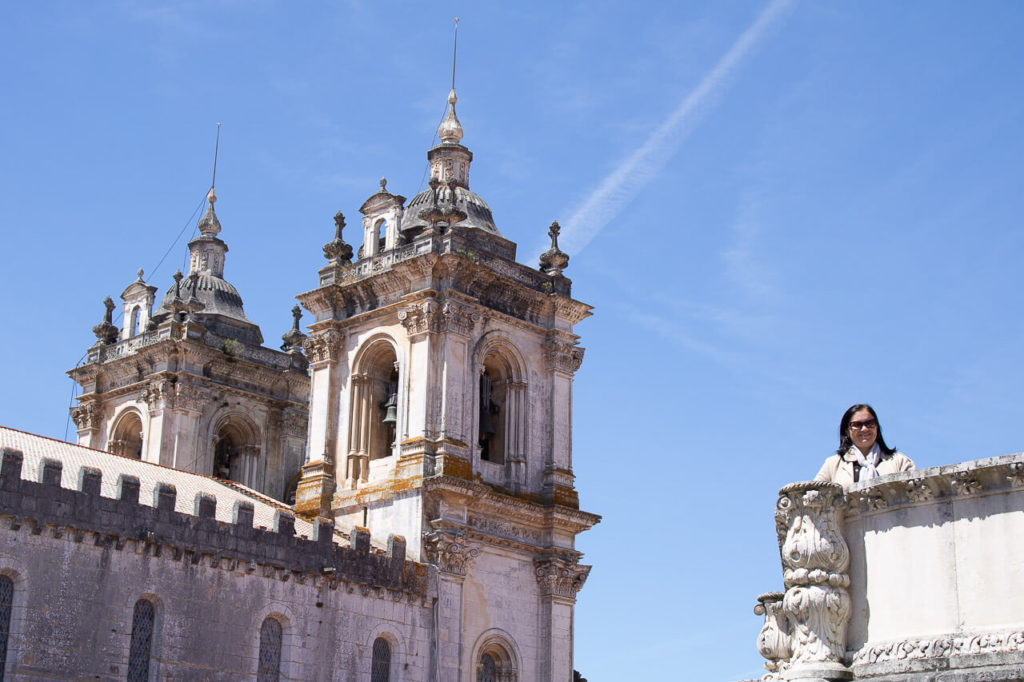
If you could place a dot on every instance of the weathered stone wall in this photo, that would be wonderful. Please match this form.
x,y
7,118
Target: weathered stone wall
x,y
80,561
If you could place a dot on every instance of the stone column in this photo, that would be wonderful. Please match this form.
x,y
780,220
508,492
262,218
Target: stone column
x,y
449,551
815,560
559,577
316,485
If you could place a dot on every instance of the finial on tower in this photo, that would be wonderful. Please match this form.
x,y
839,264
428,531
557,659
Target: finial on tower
x,y
450,130
337,251
554,260
209,226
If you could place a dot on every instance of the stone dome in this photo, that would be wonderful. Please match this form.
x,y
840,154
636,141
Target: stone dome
x,y
220,299
478,213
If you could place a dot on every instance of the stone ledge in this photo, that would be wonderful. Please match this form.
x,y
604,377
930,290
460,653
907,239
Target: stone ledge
x,y
937,485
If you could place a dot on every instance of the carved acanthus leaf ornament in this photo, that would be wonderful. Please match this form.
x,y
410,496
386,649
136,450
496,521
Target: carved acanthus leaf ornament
x,y
87,416
449,551
560,576
323,346
562,356
814,560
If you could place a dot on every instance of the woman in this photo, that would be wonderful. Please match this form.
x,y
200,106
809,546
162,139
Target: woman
x,y
862,453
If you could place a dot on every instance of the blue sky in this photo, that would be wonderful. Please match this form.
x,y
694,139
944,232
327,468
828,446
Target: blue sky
x,y
777,209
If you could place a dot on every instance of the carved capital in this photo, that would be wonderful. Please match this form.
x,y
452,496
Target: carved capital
x,y
421,317
459,318
189,398
561,355
449,551
560,576
815,559
323,347
87,415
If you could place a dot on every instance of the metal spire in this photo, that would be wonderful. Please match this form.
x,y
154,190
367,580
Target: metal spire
x,y
455,50
450,130
216,151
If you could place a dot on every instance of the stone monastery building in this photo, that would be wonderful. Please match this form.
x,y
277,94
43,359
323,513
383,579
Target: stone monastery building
x,y
389,497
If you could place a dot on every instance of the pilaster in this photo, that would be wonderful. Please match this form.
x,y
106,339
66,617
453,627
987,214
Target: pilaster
x,y
560,578
316,485
448,549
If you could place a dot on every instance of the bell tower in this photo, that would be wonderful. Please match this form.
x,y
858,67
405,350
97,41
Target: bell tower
x,y
441,411
190,385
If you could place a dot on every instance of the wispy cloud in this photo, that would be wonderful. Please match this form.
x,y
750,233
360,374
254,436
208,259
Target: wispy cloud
x,y
626,181
743,260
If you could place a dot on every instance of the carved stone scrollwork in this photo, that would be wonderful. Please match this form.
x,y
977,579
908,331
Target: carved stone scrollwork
x,y
420,317
918,490
190,398
323,347
964,483
459,318
155,394
815,559
562,356
872,500
87,416
560,576
773,641
1016,475
449,551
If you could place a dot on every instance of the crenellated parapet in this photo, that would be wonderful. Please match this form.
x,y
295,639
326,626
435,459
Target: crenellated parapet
x,y
127,523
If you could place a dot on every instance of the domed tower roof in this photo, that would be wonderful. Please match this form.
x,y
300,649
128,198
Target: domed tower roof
x,y
449,173
219,306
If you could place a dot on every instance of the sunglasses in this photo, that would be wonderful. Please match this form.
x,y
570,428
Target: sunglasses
x,y
866,424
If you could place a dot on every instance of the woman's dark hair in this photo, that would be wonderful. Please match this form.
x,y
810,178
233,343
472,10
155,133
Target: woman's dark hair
x,y
845,442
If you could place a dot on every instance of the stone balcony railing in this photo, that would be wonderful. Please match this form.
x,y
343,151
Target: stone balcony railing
x,y
913,576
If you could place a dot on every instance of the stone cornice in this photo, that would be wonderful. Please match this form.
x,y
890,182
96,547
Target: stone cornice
x,y
936,485
483,499
496,284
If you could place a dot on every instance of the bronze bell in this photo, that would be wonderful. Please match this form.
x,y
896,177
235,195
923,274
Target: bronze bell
x,y
390,409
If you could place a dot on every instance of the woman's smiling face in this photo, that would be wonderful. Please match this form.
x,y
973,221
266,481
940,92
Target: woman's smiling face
x,y
863,430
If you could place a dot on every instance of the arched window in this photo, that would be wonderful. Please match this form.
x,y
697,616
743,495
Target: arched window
x,y
126,438
236,452
381,669
6,604
141,651
502,406
373,409
270,651
136,313
381,231
496,665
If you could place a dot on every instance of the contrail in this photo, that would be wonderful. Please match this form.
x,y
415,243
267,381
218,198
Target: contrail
x,y
626,181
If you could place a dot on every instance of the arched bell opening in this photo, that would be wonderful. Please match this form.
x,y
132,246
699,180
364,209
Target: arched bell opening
x,y
236,452
491,434
126,436
374,409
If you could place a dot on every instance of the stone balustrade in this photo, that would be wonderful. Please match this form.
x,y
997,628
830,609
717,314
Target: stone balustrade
x,y
911,576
